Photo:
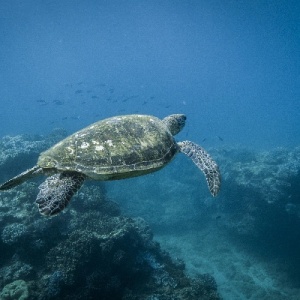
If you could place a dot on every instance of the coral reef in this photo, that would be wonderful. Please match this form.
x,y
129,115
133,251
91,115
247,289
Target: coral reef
x,y
271,173
16,290
90,251
14,233
260,190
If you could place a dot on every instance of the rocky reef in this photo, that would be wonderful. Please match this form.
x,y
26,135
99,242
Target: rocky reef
x,y
90,251
93,251
260,191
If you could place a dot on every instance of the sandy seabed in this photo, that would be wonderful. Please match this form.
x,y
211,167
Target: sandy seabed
x,y
239,274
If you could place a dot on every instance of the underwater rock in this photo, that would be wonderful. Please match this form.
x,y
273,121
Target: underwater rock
x,y
120,260
15,269
14,233
260,190
16,290
53,283
91,251
270,174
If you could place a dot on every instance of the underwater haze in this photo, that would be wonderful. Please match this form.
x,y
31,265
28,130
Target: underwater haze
x,y
231,66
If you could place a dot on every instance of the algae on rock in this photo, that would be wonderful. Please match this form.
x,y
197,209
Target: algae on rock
x,y
16,290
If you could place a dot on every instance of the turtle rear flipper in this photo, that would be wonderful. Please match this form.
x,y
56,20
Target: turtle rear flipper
x,y
205,163
30,173
56,192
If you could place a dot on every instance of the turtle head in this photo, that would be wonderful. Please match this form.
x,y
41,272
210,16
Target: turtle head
x,y
175,122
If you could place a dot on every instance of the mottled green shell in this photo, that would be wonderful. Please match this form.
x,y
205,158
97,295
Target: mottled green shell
x,y
114,148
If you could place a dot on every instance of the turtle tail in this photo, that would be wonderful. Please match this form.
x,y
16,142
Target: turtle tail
x,y
56,192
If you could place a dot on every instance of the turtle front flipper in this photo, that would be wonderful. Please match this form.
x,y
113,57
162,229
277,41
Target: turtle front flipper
x,y
33,172
205,163
56,192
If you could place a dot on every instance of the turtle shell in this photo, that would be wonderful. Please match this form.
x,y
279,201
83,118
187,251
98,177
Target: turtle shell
x,y
114,148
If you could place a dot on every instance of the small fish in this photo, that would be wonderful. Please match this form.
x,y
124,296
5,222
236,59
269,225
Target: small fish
x,y
220,138
58,102
204,140
64,118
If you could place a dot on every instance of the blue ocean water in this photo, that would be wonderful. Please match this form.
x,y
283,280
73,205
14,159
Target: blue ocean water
x,y
231,66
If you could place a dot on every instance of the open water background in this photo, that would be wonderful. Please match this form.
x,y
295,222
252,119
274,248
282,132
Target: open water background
x,y
231,66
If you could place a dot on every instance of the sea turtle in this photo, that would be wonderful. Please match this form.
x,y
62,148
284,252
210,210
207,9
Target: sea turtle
x,y
114,148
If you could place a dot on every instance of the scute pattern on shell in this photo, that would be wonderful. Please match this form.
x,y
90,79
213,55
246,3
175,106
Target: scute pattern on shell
x,y
114,148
